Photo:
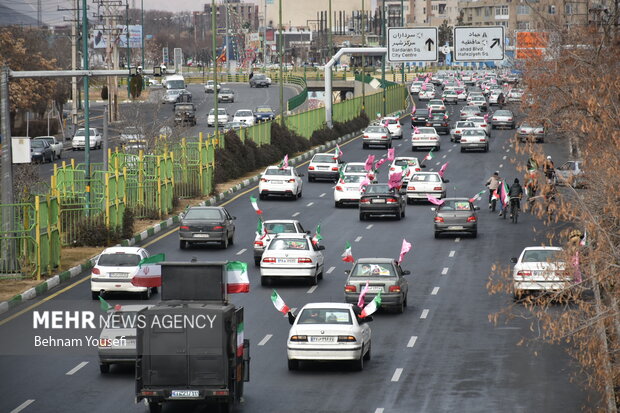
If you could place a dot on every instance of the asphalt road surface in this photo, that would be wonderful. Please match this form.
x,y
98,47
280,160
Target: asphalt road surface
x,y
162,114
441,355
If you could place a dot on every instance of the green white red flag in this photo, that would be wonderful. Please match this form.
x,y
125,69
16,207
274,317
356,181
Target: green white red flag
x,y
284,163
372,306
279,303
317,235
149,272
240,328
260,229
237,277
337,152
254,203
429,155
347,256
477,196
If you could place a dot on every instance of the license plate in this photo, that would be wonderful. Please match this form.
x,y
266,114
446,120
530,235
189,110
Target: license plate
x,y
375,289
184,393
201,235
323,167
378,201
455,227
119,274
352,189
321,339
286,260
277,182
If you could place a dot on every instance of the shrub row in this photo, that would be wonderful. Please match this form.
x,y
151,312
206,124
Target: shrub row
x,y
239,158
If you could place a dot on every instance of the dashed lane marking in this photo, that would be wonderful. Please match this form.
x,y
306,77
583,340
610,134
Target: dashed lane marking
x,y
450,150
329,271
311,289
424,313
505,156
322,195
396,375
358,239
242,251
501,165
444,157
22,406
310,204
412,341
452,253
379,410
369,226
457,239
76,368
295,214
445,270
435,291
265,340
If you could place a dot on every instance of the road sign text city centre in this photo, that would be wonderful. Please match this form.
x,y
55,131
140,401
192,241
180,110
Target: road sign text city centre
x,y
473,44
412,44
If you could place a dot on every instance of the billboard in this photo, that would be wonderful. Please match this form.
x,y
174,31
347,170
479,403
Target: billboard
x,y
531,45
100,35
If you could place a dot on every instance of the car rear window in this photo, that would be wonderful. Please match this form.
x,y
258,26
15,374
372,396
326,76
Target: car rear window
x,y
455,206
425,178
377,189
540,256
118,260
375,129
405,162
325,316
278,171
244,113
295,244
353,179
473,132
324,159
280,228
203,214
427,130
373,270
355,168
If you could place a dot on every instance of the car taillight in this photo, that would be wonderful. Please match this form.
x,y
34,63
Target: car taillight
x,y
365,201
259,244
269,260
338,188
412,188
347,339
540,131
483,140
290,181
509,119
471,219
494,118
299,338
263,180
392,169
439,219
218,228
304,261
398,126
524,273
185,227
417,169
384,137
311,168
463,140
366,136
437,188
350,289
394,289
428,124
457,131
483,125
96,271
334,168
391,201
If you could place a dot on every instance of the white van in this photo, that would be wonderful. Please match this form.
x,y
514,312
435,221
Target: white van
x,y
174,82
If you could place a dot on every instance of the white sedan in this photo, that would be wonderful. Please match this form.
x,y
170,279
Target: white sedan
x,y
347,190
479,122
416,87
436,105
422,184
539,269
425,138
292,255
280,181
244,116
394,126
427,94
405,164
114,270
329,332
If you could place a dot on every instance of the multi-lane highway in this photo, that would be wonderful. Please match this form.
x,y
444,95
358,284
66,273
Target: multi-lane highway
x,y
441,355
153,112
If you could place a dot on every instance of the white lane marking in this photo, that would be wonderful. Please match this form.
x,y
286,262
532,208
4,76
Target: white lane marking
x,y
507,150
358,239
452,253
397,374
322,195
22,406
399,145
379,410
457,239
435,291
265,339
450,150
424,313
329,271
76,368
505,156
412,341
508,328
292,311
295,214
444,157
501,165
437,163
310,204
431,170
242,251
369,226
311,289
445,270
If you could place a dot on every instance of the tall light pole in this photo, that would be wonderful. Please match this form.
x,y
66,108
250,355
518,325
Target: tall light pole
x,y
142,24
402,24
280,52
363,24
226,49
329,38
214,46
86,107
384,41
265,39
128,51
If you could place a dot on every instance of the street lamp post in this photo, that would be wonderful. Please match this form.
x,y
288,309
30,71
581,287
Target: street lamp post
x,y
86,107
214,53
363,24
402,24
280,52
384,41
142,23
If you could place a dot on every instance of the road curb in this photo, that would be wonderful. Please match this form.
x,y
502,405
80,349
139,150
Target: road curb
x,y
73,272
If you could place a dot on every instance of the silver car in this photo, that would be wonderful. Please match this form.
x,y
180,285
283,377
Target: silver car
x,y
457,130
226,95
503,118
456,215
469,111
474,138
377,135
529,131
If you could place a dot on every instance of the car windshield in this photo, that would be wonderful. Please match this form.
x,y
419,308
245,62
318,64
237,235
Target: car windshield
x,y
425,178
82,132
280,227
389,121
219,111
375,129
438,116
184,107
173,92
540,256
405,162
378,189
37,143
278,171
225,91
325,316
296,244
473,132
355,168
503,113
244,113
427,130
324,159
201,213
353,179
259,76
464,124
118,260
263,110
455,205
374,270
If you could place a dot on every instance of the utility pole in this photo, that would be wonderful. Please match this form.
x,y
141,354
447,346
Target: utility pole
x,y
384,41
280,52
128,51
330,44
214,51
265,39
86,107
75,22
402,24
142,24
363,24
227,45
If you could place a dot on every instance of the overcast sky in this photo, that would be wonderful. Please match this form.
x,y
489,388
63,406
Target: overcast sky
x,y
185,5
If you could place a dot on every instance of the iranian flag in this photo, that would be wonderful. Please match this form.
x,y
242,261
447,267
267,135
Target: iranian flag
x,y
341,174
429,155
279,303
240,339
477,196
149,272
337,152
105,306
347,256
284,163
317,235
254,203
404,249
237,277
260,229
503,194
372,306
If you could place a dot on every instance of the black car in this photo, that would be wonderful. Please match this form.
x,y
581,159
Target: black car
x,y
184,97
440,122
379,199
420,117
264,113
185,113
259,80
206,224
41,151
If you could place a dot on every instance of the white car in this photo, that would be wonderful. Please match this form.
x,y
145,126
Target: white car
x,y
117,341
436,105
394,126
425,138
222,117
422,184
515,95
427,94
354,168
474,138
210,86
347,190
272,228
479,101
461,94
377,135
329,332
132,134
79,139
457,130
294,256
405,164
280,181
479,122
416,87
323,166
115,268
539,269
245,116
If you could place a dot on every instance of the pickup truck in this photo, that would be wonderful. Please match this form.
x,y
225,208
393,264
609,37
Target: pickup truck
x,y
55,144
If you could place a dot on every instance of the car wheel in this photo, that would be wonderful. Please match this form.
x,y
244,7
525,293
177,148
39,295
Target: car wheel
x,y
310,178
409,201
224,243
399,215
438,148
146,295
257,262
182,244
264,281
437,234
474,234
368,356
405,301
364,146
94,295
314,279
358,365
486,148
402,213
462,149
155,407
337,204
262,197
401,307
293,364
388,146
299,194
231,240
104,368
362,216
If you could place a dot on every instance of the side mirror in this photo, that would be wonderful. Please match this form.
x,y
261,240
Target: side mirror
x,y
308,232
513,260
422,165
234,217
321,247
300,175
476,208
446,181
347,272
406,272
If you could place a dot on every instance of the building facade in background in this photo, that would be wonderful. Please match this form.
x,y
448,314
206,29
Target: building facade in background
x,y
298,14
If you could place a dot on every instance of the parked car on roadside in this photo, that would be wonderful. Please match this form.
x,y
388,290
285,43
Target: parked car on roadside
x,y
41,151
55,145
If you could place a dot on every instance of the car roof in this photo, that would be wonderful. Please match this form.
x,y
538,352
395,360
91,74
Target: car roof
x,y
542,247
323,153
281,221
289,235
426,173
375,260
205,207
408,158
328,305
126,250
